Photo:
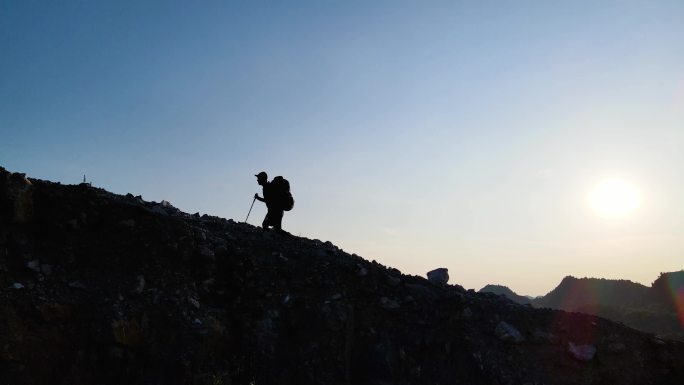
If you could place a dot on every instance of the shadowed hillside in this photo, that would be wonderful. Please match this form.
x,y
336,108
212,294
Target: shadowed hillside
x,y
99,288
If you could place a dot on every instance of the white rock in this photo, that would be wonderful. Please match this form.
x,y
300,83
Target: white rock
x,y
507,332
582,353
141,284
438,276
34,265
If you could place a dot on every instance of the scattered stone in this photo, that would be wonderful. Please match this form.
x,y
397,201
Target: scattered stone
x,y
194,302
77,285
439,276
34,265
46,269
208,283
273,313
584,353
389,304
159,210
508,333
207,253
141,284
542,337
616,347
127,223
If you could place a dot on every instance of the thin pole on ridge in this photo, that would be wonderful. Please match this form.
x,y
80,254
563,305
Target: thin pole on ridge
x,y
250,209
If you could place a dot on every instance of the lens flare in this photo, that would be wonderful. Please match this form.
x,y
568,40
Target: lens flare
x,y
676,286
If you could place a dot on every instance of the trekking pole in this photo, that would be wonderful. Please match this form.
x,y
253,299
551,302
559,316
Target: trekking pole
x,y
250,209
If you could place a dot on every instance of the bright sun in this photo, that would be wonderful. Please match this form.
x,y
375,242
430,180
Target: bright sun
x,y
613,198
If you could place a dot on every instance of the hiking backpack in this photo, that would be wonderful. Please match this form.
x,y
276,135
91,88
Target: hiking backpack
x,y
281,189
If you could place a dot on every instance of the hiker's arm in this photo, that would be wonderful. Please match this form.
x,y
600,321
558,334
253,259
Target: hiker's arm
x,y
257,197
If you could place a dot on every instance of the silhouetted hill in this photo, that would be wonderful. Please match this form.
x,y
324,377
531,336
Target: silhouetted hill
x,y
503,290
99,288
573,293
653,309
667,291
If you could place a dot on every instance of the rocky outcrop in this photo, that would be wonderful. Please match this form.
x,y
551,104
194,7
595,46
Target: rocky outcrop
x,y
438,276
109,289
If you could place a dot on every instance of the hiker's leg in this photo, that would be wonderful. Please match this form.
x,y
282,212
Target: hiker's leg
x,y
277,220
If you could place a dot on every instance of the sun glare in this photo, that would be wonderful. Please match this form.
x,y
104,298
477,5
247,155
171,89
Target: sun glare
x,y
612,198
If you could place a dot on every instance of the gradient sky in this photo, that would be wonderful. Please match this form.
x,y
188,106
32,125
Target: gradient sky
x,y
458,134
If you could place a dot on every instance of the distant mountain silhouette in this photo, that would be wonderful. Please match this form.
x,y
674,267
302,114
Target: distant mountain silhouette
x,y
666,290
574,293
503,290
657,309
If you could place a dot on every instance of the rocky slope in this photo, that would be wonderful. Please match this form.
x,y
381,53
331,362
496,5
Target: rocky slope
x,y
98,288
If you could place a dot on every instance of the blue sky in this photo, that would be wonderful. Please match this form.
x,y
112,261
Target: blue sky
x,y
422,134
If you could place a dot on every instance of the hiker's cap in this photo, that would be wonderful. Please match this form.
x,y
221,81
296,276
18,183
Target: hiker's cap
x,y
261,175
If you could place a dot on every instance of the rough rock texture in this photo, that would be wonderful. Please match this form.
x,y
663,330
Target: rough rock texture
x,y
140,293
439,276
582,352
508,333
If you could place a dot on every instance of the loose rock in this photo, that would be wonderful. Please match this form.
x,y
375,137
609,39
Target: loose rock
x,y
508,333
387,303
582,353
439,276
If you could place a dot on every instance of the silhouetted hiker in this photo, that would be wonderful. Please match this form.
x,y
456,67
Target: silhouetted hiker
x,y
277,198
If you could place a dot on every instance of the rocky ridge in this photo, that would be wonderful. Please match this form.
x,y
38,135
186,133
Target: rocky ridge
x,y
99,288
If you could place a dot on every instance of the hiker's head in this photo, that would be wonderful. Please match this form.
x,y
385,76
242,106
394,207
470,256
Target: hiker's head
x,y
261,177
